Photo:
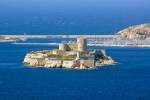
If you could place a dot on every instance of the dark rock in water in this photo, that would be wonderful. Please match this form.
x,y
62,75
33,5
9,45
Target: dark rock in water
x,y
135,32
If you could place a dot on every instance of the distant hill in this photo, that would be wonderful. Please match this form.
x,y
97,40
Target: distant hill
x,y
141,31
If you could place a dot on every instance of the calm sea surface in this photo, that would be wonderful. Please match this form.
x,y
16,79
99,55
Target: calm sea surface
x,y
129,80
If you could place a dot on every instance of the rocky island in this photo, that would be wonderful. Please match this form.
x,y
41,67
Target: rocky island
x,y
73,55
135,32
7,39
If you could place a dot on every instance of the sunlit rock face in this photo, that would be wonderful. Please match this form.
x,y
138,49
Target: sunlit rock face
x,y
141,31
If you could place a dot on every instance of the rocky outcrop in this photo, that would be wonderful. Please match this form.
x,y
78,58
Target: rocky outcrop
x,y
7,39
135,32
38,60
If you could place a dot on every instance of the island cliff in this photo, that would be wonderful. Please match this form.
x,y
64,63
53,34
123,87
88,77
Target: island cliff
x,y
69,55
141,31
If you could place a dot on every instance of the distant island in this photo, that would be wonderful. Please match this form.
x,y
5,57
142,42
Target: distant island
x,y
73,55
141,32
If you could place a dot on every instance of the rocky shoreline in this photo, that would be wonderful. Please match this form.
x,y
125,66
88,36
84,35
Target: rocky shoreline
x,y
38,62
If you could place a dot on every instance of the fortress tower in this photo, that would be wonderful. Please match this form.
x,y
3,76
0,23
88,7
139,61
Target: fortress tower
x,y
63,46
81,44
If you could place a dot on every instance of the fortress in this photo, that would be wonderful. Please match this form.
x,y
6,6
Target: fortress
x,y
73,55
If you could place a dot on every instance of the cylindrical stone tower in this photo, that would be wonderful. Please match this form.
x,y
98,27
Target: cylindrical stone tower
x,y
62,46
81,43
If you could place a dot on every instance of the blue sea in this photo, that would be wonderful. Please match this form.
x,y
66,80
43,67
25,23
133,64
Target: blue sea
x,y
128,80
